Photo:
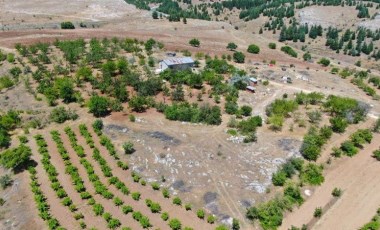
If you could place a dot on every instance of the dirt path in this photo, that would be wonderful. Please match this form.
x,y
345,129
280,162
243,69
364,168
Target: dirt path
x,y
188,218
57,210
357,177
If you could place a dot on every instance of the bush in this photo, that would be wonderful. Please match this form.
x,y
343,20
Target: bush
x,y
128,147
317,212
67,25
5,181
324,61
194,42
175,224
246,110
338,124
201,214
165,216
60,115
293,193
336,192
272,46
155,186
16,157
98,106
97,125
239,57
376,154
136,195
177,201
231,46
288,50
253,49
165,193
211,219
349,148
279,178
306,56
127,209
312,174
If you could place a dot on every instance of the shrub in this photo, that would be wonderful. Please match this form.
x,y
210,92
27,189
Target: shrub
x,y
165,216
317,212
15,157
127,209
194,42
289,50
279,178
253,49
175,224
246,110
177,201
5,181
324,61
211,219
272,46
98,106
136,195
117,201
60,115
312,174
67,25
128,147
155,186
231,46
98,125
349,148
239,57
336,192
98,209
165,193
376,154
201,214
338,124
188,207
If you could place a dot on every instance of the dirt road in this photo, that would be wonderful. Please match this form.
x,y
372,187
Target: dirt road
x,y
357,177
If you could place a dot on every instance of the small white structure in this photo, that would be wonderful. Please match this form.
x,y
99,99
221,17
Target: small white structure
x,y
253,80
177,63
251,89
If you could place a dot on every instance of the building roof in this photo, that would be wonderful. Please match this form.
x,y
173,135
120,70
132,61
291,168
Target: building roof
x,y
252,79
251,88
178,61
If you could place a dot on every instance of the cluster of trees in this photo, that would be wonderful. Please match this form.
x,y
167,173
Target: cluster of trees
x,y
357,140
8,122
60,115
192,113
278,110
313,141
16,158
287,170
345,110
338,40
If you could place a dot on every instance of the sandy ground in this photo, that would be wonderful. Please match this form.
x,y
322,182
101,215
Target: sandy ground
x,y
360,199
